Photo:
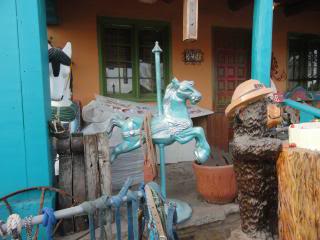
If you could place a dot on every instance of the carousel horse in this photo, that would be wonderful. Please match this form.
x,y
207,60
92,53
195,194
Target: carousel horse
x,y
174,126
63,108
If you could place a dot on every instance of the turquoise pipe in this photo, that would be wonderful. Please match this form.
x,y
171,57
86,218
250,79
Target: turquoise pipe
x,y
262,41
307,112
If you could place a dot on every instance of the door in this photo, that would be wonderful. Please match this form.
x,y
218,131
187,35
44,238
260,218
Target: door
x,y
231,57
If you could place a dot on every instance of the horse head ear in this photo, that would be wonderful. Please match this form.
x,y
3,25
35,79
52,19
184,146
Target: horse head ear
x,y
67,49
175,83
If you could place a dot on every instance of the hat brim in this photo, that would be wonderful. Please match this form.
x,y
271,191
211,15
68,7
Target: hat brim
x,y
246,99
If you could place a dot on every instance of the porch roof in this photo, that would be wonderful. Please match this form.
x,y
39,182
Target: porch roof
x,y
290,7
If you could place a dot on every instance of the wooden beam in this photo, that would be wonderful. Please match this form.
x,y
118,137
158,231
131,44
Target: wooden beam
x,y
190,20
235,5
300,6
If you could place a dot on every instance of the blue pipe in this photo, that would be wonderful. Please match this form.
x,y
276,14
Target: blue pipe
x,y
307,113
262,41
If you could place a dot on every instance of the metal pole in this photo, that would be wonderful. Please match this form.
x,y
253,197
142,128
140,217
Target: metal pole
x,y
157,50
162,171
262,41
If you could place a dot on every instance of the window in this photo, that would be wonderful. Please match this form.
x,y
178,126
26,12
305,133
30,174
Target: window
x,y
304,62
127,61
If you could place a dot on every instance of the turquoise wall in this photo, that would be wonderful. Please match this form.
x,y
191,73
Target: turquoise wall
x,y
25,102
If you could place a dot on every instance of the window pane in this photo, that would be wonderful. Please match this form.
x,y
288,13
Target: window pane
x,y
118,60
119,79
147,39
303,61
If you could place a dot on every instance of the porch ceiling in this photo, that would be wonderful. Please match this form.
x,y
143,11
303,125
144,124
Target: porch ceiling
x,y
290,7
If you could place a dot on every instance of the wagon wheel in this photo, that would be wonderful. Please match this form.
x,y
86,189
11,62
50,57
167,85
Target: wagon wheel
x,y
43,190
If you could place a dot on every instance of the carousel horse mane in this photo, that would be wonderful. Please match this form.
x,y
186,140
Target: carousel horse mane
x,y
170,90
56,57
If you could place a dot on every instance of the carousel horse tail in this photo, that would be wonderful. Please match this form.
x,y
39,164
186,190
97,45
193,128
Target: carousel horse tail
x,y
115,121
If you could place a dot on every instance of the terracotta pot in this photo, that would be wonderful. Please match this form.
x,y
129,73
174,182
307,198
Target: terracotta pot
x,y
216,184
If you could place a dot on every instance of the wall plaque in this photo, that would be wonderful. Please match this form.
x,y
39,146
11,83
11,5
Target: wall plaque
x,y
193,56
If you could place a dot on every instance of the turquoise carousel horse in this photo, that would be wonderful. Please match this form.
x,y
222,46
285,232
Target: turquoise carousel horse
x,y
64,110
174,126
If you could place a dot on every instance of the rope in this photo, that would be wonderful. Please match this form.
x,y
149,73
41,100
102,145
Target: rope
x,y
28,226
14,226
150,160
65,114
48,221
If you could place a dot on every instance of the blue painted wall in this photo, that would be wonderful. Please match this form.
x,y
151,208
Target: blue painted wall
x,y
24,91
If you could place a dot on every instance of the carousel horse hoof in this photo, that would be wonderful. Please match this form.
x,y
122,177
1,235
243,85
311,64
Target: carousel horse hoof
x,y
202,155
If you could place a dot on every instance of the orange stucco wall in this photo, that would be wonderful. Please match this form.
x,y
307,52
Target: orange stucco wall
x,y
79,25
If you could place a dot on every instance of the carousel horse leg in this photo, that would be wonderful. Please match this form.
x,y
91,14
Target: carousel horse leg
x,y
202,150
125,146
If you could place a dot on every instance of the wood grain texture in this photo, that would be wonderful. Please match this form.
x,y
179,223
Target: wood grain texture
x,y
105,175
104,164
91,167
219,131
79,189
190,20
65,183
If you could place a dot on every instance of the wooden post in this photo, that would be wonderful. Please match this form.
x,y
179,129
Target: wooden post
x,y
65,181
190,20
105,176
91,166
78,179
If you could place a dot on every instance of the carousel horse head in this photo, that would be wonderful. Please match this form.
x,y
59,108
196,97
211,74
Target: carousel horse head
x,y
60,72
183,90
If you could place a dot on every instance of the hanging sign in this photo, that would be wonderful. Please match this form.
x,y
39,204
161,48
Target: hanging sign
x,y
190,20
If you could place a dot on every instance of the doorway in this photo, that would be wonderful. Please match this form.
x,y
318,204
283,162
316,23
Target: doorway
x,y
231,66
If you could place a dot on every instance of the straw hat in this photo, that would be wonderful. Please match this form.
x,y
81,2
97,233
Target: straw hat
x,y
247,92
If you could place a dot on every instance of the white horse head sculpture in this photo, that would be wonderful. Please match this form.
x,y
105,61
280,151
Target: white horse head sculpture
x,y
60,74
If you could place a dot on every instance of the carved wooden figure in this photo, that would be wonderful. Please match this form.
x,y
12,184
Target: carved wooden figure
x,y
255,157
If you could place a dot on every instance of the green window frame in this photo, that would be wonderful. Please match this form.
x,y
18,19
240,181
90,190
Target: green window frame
x,y
136,28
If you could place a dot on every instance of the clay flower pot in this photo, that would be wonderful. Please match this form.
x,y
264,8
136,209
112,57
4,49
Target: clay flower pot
x,y
216,184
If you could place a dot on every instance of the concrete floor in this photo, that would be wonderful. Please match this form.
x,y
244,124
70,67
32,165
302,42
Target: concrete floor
x,y
208,221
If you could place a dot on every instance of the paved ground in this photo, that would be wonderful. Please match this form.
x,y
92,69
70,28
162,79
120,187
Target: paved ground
x,y
208,221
